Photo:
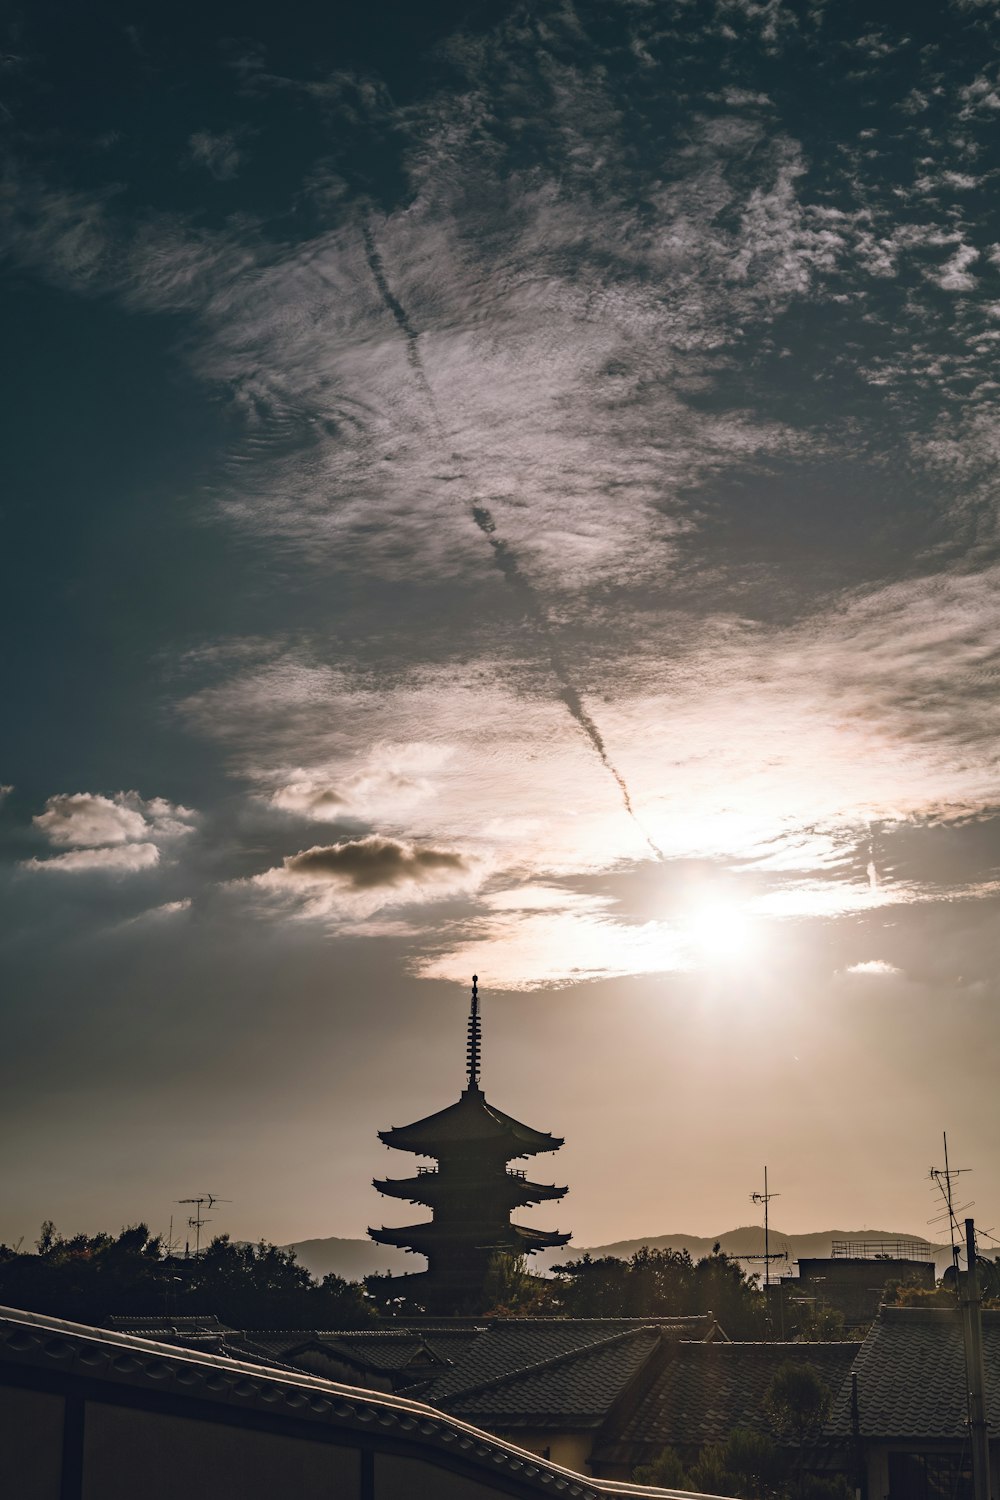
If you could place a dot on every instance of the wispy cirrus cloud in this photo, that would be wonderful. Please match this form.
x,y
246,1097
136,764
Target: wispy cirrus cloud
x,y
555,373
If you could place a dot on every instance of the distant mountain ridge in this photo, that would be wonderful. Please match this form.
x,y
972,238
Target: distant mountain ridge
x,y
353,1259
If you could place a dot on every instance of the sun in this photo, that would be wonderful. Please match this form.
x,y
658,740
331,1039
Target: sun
x,y
719,929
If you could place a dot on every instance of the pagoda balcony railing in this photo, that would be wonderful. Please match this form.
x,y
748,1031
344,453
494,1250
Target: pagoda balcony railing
x,y
427,1171
516,1172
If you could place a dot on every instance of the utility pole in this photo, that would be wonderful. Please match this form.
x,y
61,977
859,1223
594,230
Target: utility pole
x,y
975,1373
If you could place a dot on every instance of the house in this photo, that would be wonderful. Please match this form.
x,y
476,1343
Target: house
x,y
92,1412
549,1385
853,1279
694,1394
909,1420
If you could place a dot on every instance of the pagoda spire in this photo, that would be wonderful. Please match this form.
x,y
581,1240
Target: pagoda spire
x,y
474,1047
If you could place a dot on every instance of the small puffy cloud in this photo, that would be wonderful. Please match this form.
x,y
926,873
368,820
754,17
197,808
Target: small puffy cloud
x,y
374,862
118,859
122,833
876,966
5,792
80,818
220,154
955,276
358,877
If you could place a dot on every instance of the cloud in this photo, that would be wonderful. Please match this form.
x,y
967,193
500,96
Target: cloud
x,y
89,819
122,859
874,966
358,877
585,342
220,154
954,275
157,914
82,818
391,779
550,949
123,833
373,862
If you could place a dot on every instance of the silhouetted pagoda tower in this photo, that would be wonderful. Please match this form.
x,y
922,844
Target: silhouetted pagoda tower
x,y
471,1193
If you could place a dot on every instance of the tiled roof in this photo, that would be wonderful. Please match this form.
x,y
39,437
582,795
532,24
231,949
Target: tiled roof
x,y
394,1348
164,1326
574,1389
301,1402
702,1391
911,1376
509,1345
469,1121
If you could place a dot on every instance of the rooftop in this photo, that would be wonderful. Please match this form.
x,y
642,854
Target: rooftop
x,y
911,1375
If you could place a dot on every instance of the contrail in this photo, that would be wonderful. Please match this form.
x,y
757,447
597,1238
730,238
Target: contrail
x,y
504,559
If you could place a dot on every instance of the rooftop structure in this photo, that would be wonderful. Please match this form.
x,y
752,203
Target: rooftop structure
x,y
890,1249
471,1193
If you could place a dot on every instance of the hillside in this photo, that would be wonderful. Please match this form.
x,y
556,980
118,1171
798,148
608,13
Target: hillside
x,y
353,1259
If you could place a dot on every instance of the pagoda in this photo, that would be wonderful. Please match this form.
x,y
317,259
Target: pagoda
x,y
471,1193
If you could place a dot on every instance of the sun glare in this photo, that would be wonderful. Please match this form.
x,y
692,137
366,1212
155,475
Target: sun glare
x,y
719,929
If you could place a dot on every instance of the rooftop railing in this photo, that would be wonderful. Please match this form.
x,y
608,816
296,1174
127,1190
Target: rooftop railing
x,y
882,1250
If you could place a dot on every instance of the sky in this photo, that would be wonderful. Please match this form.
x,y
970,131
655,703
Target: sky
x,y
504,489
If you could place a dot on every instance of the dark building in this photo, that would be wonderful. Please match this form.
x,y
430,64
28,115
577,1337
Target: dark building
x,y
908,1414
471,1194
854,1279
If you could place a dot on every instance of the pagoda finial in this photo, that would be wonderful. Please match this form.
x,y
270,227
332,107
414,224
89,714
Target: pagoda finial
x,y
474,1047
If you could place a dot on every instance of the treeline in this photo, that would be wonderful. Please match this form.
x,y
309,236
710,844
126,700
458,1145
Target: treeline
x,y
649,1284
661,1283
89,1278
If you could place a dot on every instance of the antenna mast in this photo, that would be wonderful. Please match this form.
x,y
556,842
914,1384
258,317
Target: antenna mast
x,y
942,1178
765,1198
473,1050
199,1220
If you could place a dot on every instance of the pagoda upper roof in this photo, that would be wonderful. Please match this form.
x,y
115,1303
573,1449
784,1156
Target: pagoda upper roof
x,y
432,1188
470,1122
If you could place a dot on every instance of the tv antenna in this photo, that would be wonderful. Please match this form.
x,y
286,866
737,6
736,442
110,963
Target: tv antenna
x,y
769,1254
942,1178
171,1242
198,1221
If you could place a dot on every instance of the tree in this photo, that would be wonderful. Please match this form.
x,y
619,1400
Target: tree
x,y
747,1464
91,1277
755,1463
661,1283
798,1403
820,1325
511,1288
666,1470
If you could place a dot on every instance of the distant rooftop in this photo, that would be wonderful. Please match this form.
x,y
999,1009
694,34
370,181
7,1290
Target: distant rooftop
x,y
882,1250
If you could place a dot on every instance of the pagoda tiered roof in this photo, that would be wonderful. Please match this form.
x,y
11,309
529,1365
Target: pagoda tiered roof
x,y
424,1237
470,1123
433,1187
